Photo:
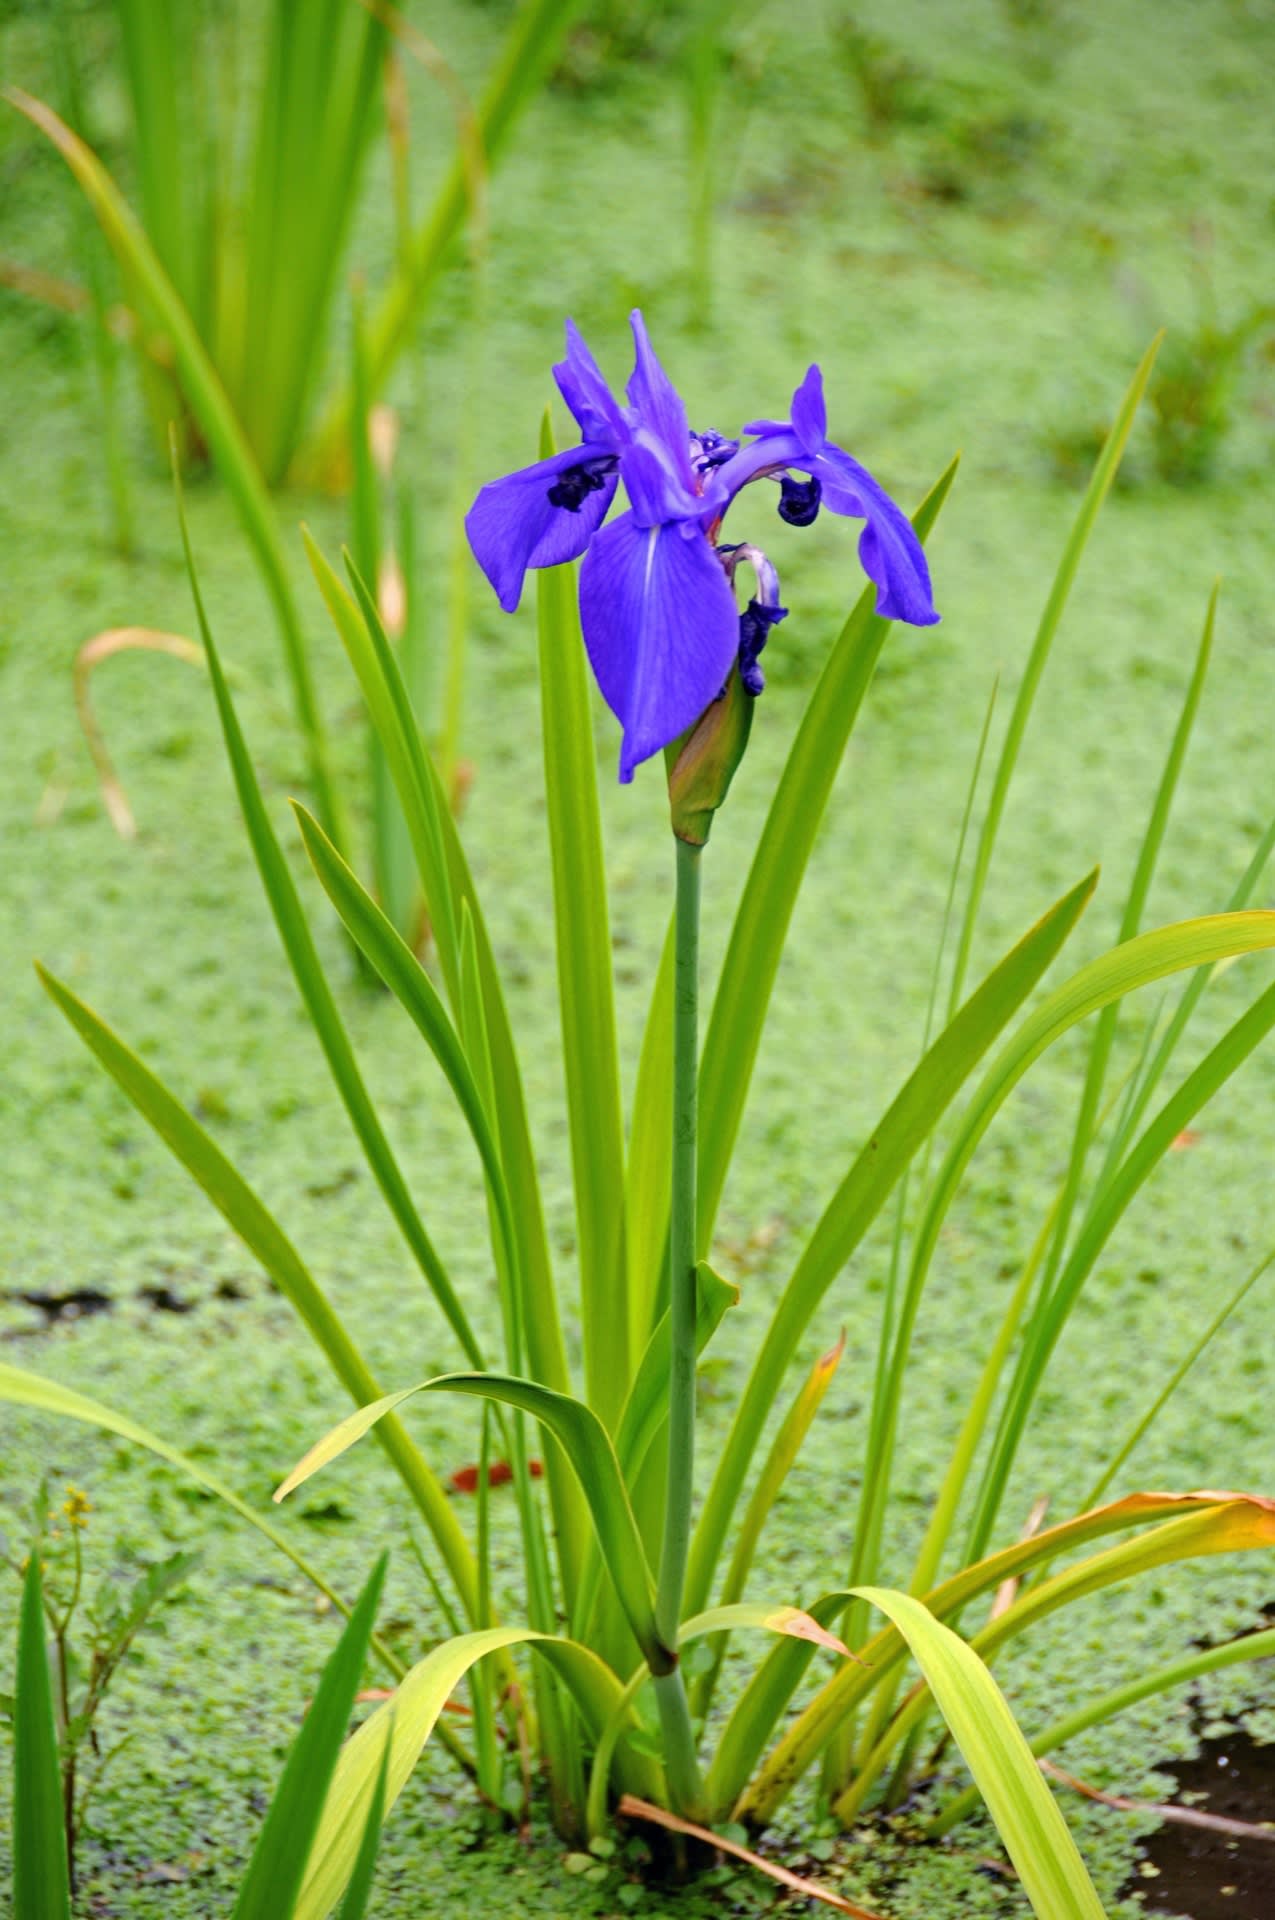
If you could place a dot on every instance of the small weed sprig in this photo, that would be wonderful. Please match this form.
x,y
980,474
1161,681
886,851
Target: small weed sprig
x,y
83,1664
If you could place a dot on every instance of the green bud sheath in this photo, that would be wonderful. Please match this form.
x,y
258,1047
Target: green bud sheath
x,y
701,764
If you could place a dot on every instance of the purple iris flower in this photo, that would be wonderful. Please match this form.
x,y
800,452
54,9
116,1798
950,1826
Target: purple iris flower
x,y
657,601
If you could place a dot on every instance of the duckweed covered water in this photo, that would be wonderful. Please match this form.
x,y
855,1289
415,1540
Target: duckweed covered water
x,y
980,268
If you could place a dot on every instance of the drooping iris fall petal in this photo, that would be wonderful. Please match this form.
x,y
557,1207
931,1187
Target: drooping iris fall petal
x,y
661,629
514,524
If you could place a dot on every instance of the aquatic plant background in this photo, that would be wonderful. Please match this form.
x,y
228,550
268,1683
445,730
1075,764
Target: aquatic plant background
x,y
911,720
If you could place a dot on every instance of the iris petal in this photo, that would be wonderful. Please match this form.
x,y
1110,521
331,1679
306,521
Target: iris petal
x,y
661,629
659,404
513,524
809,414
891,555
889,551
655,486
583,387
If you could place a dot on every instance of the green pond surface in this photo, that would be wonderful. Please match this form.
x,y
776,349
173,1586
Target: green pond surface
x,y
977,268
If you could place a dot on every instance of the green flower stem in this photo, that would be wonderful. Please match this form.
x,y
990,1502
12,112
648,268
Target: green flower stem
x,y
670,1689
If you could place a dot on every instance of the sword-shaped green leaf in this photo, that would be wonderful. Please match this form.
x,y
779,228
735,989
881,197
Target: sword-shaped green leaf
x,y
41,1877
277,1867
585,988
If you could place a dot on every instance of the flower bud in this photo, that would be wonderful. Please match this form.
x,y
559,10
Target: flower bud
x,y
701,764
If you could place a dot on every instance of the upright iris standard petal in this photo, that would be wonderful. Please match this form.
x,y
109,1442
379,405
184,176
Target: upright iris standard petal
x,y
661,629
809,414
515,524
657,489
658,405
582,385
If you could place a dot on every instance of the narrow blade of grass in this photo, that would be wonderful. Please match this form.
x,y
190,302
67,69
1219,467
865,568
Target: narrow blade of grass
x,y
273,1880
1099,486
1218,1065
316,995
1175,1379
41,1876
1157,1065
1130,922
774,880
784,1449
1136,963
362,634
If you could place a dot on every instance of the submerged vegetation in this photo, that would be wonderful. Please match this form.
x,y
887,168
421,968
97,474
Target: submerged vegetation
x,y
645,1643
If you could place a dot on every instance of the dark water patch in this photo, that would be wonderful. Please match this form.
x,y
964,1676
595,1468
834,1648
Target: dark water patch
x,y
1203,1873
58,1309
63,1309
164,1300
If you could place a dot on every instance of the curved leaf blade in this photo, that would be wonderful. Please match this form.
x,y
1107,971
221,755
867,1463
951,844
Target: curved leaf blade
x,y
414,1710
588,1447
1028,1820
1103,474
585,988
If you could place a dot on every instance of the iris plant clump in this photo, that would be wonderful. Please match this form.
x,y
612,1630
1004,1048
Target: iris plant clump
x,y
668,647
605,1667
